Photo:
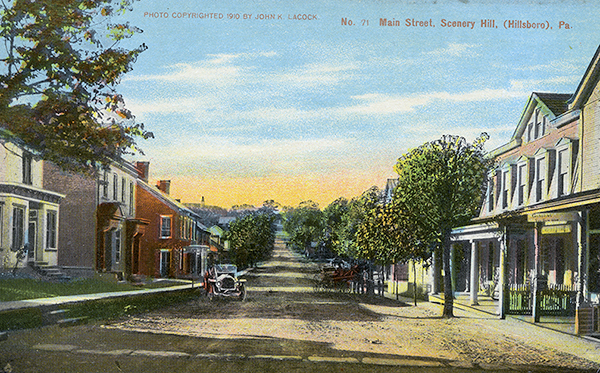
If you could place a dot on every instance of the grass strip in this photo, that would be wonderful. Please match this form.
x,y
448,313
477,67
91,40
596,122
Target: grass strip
x,y
100,309
21,289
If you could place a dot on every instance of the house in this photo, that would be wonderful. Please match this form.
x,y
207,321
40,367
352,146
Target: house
x,y
98,231
536,242
28,211
175,243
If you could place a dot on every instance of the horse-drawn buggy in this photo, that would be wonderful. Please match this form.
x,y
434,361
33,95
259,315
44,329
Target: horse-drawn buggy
x,y
337,277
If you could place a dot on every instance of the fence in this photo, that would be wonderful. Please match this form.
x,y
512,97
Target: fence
x,y
555,300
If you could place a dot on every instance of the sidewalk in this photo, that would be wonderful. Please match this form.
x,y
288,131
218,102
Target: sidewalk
x,y
55,301
488,306
551,332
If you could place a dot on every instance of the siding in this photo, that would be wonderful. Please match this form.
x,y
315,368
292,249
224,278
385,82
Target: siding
x,y
591,143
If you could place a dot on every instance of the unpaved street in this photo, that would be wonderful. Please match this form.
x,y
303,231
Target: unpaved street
x,y
282,306
285,326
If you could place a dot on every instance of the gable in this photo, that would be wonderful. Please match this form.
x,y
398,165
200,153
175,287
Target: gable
x,y
541,109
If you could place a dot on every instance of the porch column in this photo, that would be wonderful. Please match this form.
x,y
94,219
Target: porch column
x,y
582,318
474,282
502,280
535,311
582,259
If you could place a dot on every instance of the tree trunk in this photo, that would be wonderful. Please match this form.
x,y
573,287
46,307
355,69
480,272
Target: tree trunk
x,y
448,291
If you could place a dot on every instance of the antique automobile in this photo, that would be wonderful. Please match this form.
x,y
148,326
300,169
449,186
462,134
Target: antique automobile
x,y
221,281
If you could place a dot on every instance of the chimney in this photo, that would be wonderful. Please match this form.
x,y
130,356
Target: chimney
x,y
142,170
164,186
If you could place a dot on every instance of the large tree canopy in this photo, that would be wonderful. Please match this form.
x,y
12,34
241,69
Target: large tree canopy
x,y
440,186
61,63
252,237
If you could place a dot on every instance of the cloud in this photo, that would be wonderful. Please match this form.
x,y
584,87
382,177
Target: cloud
x,y
217,69
391,104
455,50
541,84
320,74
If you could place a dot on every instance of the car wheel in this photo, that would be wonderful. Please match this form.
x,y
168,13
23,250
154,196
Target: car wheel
x,y
243,292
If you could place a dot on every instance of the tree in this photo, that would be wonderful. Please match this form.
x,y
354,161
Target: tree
x,y
353,216
304,224
440,186
334,216
58,80
388,236
252,238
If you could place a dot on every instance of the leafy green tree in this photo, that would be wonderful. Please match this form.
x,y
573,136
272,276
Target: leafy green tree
x,y
386,236
334,216
357,211
440,186
304,224
251,237
60,68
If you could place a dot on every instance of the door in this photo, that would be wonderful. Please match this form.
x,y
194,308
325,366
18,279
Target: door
x,y
165,263
108,250
33,252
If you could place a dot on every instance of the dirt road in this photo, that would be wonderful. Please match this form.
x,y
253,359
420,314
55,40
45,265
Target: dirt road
x,y
282,306
284,326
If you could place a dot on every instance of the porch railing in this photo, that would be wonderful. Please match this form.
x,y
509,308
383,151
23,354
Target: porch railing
x,y
554,300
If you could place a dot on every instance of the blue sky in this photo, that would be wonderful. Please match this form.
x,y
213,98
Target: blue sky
x,y
245,110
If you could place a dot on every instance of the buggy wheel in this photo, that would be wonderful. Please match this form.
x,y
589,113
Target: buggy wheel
x,y
243,292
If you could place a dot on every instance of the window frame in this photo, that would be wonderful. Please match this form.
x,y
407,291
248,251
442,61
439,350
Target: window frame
x,y
522,183
26,168
161,227
115,187
17,244
541,183
51,230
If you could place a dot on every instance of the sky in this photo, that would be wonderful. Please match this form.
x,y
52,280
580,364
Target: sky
x,y
298,100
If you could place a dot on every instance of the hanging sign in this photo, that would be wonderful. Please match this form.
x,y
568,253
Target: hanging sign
x,y
553,216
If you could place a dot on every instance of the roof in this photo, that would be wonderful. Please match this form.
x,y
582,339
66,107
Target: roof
x,y
170,201
556,102
588,82
552,105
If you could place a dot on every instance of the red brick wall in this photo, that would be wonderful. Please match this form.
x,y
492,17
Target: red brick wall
x,y
150,208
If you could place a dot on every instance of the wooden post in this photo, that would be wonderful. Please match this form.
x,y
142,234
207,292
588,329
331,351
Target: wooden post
x,y
502,280
474,282
581,307
535,312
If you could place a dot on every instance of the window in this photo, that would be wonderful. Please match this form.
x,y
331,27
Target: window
x,y
538,124
491,194
51,230
165,226
540,170
505,194
544,125
115,187
123,186
117,246
131,194
18,231
563,172
27,159
105,185
522,183
530,132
